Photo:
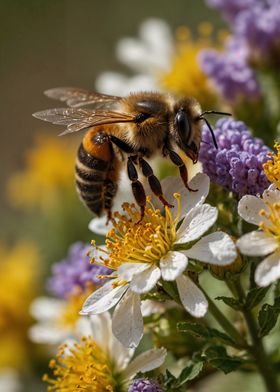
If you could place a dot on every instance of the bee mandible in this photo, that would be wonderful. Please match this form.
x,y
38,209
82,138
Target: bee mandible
x,y
127,130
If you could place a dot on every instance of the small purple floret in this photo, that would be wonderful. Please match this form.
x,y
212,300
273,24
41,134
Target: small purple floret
x,y
144,385
237,163
75,271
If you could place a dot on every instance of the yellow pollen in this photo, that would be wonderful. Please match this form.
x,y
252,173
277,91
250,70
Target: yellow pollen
x,y
271,224
146,241
272,166
83,367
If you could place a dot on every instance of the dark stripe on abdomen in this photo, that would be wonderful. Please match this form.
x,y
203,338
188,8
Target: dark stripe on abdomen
x,y
90,161
91,174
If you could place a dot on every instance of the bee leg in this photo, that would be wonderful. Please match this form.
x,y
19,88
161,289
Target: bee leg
x,y
137,187
153,181
177,160
121,144
109,194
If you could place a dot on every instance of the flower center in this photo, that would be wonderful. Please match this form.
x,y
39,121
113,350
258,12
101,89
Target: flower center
x,y
185,62
82,367
272,166
145,241
271,224
73,305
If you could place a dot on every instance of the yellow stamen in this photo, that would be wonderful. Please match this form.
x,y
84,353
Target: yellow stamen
x,y
271,224
82,367
146,241
272,167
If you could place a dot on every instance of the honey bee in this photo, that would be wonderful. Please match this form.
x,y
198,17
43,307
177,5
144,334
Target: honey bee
x,y
127,130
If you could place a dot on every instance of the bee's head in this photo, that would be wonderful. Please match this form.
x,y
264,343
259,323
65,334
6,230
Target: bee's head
x,y
186,128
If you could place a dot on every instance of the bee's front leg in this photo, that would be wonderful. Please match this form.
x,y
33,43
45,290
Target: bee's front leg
x,y
137,187
178,161
153,181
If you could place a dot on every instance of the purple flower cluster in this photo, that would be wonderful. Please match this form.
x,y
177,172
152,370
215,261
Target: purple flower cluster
x,y
144,385
256,39
237,163
75,271
230,8
257,22
259,26
230,71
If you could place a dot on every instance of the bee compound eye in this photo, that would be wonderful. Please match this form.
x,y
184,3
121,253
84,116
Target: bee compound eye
x,y
183,126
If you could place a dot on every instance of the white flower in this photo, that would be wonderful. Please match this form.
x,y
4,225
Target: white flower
x,y
144,253
264,212
9,380
105,361
148,56
57,320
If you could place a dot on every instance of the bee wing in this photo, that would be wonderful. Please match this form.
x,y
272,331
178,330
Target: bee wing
x,y
78,119
77,97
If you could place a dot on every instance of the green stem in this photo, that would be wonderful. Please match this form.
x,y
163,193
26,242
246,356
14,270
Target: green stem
x,y
226,324
256,348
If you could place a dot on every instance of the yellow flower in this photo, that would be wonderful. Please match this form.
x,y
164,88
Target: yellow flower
x,y
17,289
185,78
272,166
49,170
98,362
87,368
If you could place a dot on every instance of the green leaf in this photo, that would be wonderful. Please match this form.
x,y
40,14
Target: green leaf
x,y
217,357
255,296
190,372
207,333
230,301
268,316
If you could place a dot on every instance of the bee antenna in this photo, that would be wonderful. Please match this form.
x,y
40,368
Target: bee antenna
x,y
211,130
214,112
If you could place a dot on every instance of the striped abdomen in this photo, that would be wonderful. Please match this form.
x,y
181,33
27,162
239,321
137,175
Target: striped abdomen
x,y
94,170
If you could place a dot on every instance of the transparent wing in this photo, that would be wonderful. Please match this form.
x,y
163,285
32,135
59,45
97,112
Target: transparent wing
x,y
78,119
77,97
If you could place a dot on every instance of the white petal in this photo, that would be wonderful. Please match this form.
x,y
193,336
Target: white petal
x,y
128,270
215,248
271,195
268,271
83,327
196,223
145,280
121,355
46,333
191,297
149,307
103,299
100,225
146,361
172,265
127,323
46,308
189,199
249,207
10,380
257,243
101,330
